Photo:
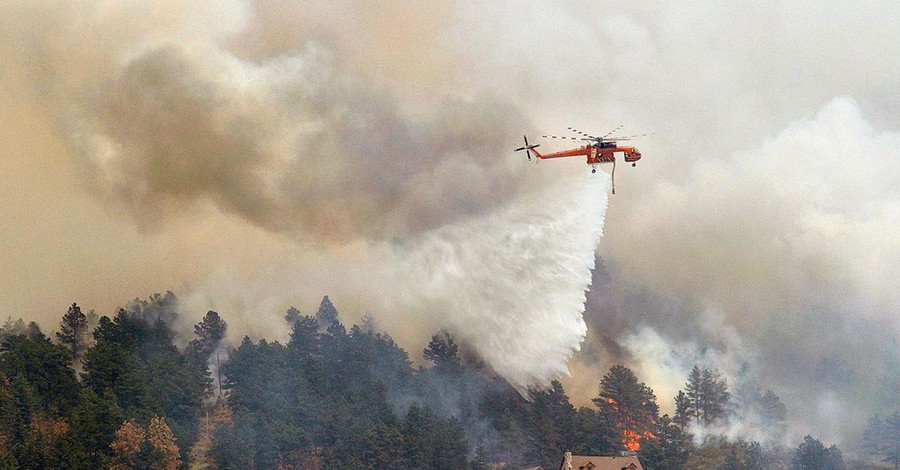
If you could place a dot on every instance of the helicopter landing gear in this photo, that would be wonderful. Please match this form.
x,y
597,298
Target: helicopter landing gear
x,y
593,170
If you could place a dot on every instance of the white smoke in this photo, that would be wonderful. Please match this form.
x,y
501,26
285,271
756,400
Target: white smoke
x,y
427,218
666,364
791,244
781,220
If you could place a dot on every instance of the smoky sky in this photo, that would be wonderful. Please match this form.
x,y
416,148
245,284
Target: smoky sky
x,y
290,143
760,229
168,120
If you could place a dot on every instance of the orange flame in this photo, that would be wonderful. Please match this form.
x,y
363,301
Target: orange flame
x,y
615,406
630,439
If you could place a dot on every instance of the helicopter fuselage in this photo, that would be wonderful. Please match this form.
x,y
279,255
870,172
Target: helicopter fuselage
x,y
596,153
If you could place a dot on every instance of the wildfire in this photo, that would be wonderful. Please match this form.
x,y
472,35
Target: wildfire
x,y
630,439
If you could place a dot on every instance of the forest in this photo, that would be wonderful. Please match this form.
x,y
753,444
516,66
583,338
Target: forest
x,y
131,392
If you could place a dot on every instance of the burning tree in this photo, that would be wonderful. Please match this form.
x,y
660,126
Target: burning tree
x,y
630,404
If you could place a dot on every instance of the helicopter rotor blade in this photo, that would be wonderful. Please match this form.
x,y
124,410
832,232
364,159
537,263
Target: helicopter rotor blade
x,y
614,130
528,147
526,144
631,136
559,137
581,133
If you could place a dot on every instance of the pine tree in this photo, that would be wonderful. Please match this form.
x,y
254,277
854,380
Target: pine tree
x,y
812,455
430,442
707,397
49,444
368,323
327,315
138,364
891,440
221,415
718,396
292,316
11,423
43,367
550,417
157,307
595,433
668,450
444,352
695,394
629,403
12,328
73,330
234,447
682,410
95,421
773,414
209,333
882,438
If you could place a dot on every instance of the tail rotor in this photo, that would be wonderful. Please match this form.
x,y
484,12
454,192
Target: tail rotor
x,y
527,148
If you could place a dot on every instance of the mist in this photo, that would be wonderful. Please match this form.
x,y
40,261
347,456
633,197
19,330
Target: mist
x,y
257,155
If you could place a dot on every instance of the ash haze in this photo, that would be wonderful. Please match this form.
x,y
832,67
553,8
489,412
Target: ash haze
x,y
254,155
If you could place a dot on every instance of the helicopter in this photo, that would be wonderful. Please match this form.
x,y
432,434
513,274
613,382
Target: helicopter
x,y
598,150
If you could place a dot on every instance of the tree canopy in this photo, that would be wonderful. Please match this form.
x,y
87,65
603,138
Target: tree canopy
x,y
338,396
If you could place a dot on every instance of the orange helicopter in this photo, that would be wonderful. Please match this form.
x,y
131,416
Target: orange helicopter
x,y
597,150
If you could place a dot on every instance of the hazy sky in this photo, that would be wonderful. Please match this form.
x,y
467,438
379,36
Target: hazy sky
x,y
152,148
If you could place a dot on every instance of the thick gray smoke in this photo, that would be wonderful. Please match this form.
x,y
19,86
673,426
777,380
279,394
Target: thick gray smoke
x,y
759,233
434,221
162,118
787,255
767,202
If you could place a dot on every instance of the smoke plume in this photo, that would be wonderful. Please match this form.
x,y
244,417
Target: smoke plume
x,y
161,119
272,152
766,201
772,267
169,109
